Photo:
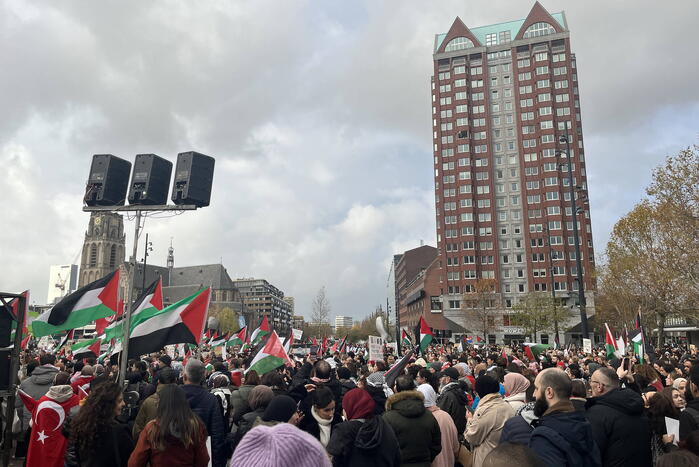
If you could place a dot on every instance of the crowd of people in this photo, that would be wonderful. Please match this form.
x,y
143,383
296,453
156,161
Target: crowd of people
x,y
484,406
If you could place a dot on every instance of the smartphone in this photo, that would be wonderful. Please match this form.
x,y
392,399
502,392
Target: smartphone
x,y
314,352
626,363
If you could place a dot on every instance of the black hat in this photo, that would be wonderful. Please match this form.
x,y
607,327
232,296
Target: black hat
x,y
280,409
451,372
165,359
486,385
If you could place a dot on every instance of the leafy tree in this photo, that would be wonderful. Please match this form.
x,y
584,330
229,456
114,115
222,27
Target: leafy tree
x,y
482,305
653,252
539,312
227,317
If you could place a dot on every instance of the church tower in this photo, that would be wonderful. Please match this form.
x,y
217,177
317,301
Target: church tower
x,y
104,247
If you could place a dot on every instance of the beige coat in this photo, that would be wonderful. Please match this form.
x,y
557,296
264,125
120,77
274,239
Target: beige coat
x,y
483,430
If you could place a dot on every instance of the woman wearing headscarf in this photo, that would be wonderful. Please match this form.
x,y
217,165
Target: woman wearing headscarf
x,y
450,438
515,388
363,440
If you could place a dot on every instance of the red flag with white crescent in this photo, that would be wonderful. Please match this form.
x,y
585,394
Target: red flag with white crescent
x,y
47,445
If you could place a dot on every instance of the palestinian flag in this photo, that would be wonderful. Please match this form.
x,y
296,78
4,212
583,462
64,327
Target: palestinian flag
x,y
115,330
218,340
425,335
14,310
83,349
398,368
87,304
179,323
532,351
315,341
66,338
479,339
238,338
270,357
636,338
324,345
405,339
609,343
260,332
148,304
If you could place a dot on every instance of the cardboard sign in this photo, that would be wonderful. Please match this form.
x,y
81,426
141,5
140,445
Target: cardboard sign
x,y
587,345
375,352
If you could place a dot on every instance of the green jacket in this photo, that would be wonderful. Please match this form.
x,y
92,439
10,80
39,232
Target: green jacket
x,y
147,412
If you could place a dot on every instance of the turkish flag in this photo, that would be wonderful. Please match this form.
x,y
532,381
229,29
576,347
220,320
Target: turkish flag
x,y
47,445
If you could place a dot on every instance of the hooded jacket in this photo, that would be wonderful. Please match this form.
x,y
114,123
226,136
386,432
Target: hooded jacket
x,y
563,437
620,428
358,443
37,385
453,400
484,428
415,428
205,404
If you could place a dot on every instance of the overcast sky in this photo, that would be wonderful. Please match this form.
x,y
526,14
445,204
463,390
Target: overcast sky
x,y
318,115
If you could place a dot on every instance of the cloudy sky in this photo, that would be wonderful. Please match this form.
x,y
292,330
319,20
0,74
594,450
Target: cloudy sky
x,y
318,115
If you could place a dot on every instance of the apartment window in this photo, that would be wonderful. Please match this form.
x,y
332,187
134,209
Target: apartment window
x,y
542,70
525,76
460,83
543,83
459,43
458,70
547,139
539,29
444,75
541,56
523,63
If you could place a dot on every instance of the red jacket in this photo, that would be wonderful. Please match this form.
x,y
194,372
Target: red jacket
x,y
175,453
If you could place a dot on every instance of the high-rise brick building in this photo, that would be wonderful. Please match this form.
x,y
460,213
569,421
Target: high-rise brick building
x,y
503,96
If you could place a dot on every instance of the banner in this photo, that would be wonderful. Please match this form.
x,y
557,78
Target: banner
x,y
375,353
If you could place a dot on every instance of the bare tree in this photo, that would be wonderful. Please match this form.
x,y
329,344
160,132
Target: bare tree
x,y
483,303
320,315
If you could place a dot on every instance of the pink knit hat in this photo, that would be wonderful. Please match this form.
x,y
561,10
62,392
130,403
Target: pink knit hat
x,y
282,445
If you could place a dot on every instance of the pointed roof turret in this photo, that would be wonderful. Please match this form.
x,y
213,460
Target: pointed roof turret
x,y
458,29
538,14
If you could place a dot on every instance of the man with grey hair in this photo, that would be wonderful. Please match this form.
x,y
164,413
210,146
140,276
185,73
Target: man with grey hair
x,y
562,436
205,405
618,421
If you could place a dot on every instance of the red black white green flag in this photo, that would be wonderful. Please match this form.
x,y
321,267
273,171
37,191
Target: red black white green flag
x,y
180,323
96,300
270,356
238,338
260,332
426,335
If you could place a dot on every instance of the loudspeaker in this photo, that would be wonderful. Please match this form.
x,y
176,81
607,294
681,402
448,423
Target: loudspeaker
x,y
194,175
5,359
108,181
150,181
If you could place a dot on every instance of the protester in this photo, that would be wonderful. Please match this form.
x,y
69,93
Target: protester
x,y
485,425
661,407
95,437
618,421
149,407
319,419
176,437
562,437
447,429
689,420
363,440
282,445
35,386
47,444
207,407
676,396
259,399
515,390
415,427
282,409
239,398
452,398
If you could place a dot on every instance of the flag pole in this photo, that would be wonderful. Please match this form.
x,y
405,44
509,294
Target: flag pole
x,y
128,304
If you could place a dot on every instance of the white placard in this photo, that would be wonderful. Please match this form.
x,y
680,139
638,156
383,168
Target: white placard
x,y
375,352
298,333
672,427
587,346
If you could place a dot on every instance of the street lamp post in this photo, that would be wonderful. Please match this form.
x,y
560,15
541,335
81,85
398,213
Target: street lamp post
x,y
576,236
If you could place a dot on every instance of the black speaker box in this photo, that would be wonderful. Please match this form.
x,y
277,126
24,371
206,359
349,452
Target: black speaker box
x,y
108,181
150,181
6,324
194,175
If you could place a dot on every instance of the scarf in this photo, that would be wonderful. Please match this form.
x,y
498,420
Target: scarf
x,y
324,426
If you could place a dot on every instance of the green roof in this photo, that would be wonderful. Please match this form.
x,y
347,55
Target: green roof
x,y
512,26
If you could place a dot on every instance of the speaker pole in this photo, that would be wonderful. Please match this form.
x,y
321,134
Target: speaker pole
x,y
128,305
10,394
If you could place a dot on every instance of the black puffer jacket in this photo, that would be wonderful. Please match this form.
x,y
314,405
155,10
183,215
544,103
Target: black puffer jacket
x,y
416,429
564,437
453,400
620,428
362,444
